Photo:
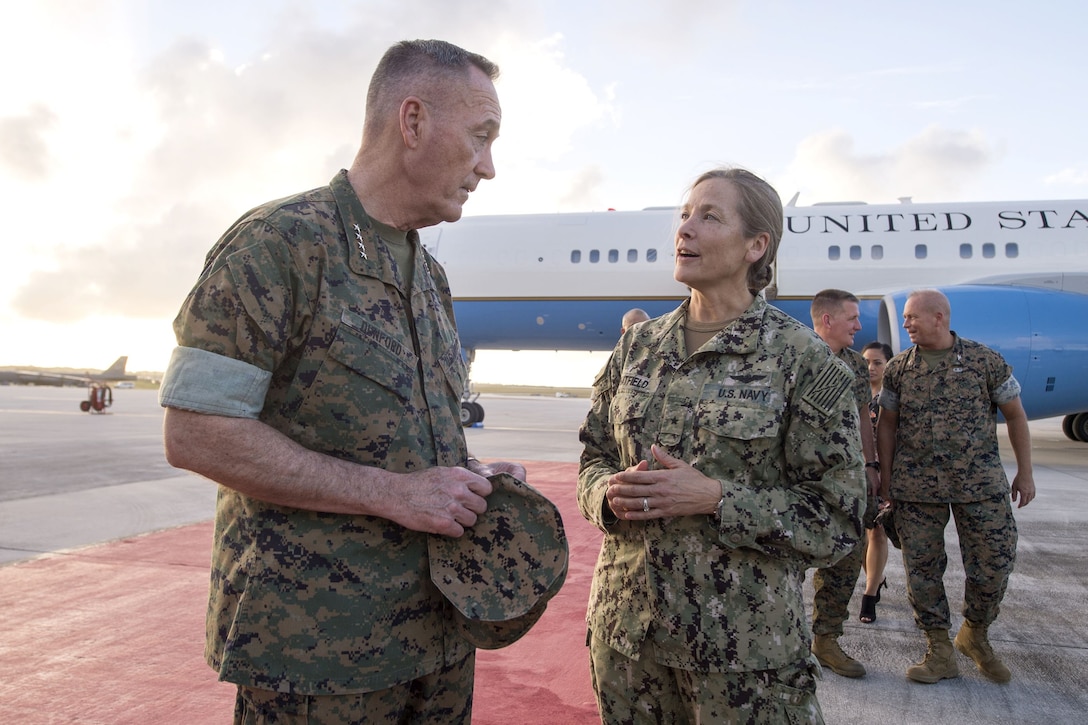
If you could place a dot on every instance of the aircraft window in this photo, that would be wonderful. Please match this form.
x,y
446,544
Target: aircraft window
x,y
1012,250
920,251
594,256
632,255
988,250
613,255
877,251
855,251
651,255
576,256
833,252
965,251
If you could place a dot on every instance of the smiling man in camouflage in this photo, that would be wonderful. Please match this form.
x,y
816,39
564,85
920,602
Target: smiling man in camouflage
x,y
937,440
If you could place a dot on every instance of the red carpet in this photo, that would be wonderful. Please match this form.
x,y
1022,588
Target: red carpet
x,y
114,634
544,676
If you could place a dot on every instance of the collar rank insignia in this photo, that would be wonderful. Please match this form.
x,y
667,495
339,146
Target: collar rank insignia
x,y
359,241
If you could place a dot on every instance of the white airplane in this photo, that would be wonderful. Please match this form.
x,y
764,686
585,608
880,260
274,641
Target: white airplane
x,y
1016,274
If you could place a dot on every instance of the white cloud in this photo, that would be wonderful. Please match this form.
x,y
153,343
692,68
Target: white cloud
x,y
23,144
545,103
1070,177
547,109
935,164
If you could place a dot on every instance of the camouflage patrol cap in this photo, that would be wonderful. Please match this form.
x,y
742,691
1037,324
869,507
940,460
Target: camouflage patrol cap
x,y
886,518
500,575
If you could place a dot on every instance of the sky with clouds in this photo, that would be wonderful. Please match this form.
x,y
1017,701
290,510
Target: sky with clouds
x,y
133,132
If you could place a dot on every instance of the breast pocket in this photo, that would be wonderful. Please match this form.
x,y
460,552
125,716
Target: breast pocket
x,y
370,351
631,428
361,394
740,437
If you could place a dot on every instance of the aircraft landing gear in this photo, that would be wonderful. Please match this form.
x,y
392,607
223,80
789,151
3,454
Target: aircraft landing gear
x,y
1075,427
471,413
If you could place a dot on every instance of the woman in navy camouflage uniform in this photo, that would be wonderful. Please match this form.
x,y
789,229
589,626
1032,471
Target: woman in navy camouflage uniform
x,y
722,459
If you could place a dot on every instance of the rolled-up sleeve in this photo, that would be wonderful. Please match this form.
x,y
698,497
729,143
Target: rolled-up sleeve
x,y
1007,392
205,382
889,399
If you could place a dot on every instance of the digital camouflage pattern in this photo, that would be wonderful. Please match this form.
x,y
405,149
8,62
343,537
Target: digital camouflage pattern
x,y
946,442
947,462
834,585
859,366
642,691
987,537
309,602
766,408
444,696
502,572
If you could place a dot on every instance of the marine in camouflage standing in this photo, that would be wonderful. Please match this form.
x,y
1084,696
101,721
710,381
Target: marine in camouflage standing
x,y
721,459
937,439
317,379
836,319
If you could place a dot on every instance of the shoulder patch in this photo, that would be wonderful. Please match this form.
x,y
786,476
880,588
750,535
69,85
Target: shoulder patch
x,y
830,383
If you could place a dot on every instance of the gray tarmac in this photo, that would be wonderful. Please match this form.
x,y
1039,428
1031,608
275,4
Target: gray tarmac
x,y
70,479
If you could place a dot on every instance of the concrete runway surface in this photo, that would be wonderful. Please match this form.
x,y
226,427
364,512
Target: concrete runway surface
x,y
71,481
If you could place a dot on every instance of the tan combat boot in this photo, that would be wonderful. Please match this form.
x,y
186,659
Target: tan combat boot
x,y
973,642
829,653
940,661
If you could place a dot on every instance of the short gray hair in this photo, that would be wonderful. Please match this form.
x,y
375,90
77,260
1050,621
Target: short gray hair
x,y
416,60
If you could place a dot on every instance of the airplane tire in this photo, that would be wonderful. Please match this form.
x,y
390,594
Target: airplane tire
x,y
479,410
1067,426
85,405
1080,427
468,414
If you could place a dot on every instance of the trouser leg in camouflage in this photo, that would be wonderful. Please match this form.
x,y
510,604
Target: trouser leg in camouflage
x,y
834,585
444,696
988,537
644,692
987,533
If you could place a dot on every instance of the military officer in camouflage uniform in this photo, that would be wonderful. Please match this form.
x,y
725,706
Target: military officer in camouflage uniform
x,y
836,319
937,439
721,460
318,380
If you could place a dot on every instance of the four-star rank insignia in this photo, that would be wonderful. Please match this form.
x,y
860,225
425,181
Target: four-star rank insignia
x,y
359,241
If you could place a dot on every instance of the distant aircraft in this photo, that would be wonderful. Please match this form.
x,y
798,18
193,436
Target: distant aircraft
x,y
113,373
1015,272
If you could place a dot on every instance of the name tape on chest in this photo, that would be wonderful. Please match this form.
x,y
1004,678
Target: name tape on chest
x,y
637,382
762,395
374,335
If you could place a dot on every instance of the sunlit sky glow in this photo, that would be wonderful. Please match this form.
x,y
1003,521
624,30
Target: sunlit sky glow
x,y
133,132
